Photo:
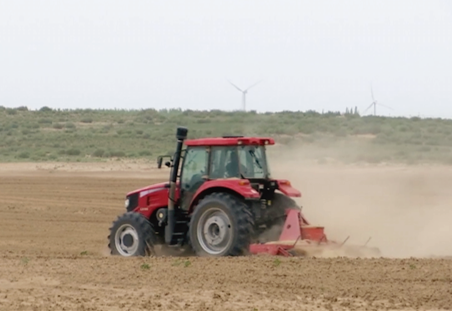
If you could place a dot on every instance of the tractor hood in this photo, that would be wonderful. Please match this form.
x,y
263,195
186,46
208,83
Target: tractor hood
x,y
149,189
148,198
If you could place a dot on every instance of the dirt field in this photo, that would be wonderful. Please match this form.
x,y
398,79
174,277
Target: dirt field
x,y
54,222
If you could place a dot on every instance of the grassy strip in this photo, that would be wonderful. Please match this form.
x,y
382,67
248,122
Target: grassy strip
x,y
95,135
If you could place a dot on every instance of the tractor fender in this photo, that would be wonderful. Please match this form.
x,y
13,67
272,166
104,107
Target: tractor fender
x,y
238,187
285,187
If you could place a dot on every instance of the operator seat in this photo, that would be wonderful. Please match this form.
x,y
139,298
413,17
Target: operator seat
x,y
232,168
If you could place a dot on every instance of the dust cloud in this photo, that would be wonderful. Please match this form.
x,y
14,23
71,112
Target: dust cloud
x,y
405,210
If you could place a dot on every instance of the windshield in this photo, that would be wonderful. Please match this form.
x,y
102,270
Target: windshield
x,y
253,162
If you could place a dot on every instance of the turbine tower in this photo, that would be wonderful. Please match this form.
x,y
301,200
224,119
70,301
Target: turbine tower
x,y
375,103
244,92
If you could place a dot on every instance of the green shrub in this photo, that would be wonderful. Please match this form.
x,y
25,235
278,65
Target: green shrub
x,y
73,152
23,155
45,109
86,120
99,153
117,154
45,121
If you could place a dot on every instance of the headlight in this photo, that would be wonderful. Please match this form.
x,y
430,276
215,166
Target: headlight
x,y
126,203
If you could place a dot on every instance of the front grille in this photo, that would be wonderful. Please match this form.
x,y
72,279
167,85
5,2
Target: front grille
x,y
133,202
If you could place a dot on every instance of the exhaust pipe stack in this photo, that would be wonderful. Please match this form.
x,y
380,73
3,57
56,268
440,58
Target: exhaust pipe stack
x,y
181,135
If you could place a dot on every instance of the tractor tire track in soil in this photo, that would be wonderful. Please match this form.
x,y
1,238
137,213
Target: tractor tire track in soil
x,y
54,227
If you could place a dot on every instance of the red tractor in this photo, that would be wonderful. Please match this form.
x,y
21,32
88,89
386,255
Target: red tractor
x,y
220,201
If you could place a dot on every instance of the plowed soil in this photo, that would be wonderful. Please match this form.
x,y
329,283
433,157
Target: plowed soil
x,y
54,224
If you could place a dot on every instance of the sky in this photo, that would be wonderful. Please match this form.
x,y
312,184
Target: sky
x,y
310,55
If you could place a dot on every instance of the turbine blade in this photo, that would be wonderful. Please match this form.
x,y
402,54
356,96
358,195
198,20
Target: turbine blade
x,y
368,107
254,85
235,86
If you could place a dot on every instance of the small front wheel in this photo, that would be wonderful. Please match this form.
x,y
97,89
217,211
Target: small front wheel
x,y
131,235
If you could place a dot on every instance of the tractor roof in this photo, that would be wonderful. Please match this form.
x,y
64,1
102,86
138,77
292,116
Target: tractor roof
x,y
230,141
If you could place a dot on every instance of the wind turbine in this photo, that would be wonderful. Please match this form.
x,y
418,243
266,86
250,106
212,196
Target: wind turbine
x,y
244,92
375,103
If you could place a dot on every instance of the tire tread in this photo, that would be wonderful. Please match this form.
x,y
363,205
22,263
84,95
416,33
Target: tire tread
x,y
144,230
244,218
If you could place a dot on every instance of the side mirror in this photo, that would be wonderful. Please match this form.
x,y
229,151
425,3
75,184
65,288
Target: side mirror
x,y
160,161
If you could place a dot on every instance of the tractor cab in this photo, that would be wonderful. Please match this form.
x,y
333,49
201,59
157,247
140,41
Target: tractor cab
x,y
224,158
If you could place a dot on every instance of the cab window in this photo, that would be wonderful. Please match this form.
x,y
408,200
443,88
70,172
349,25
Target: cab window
x,y
195,167
224,162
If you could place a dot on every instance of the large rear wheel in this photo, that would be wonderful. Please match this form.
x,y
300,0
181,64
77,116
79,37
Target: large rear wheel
x,y
131,235
221,225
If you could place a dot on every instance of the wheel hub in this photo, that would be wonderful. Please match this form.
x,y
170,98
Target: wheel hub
x,y
126,240
214,231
